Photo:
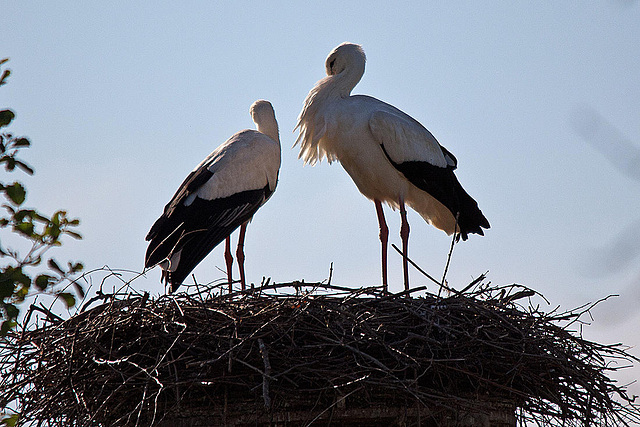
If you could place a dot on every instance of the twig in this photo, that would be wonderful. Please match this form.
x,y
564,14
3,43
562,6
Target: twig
x,y
47,312
342,398
454,237
267,373
416,266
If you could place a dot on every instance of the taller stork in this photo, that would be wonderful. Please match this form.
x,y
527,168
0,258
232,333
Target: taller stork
x,y
390,156
221,194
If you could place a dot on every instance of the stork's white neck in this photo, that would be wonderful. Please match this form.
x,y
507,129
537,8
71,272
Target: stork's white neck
x,y
342,84
269,127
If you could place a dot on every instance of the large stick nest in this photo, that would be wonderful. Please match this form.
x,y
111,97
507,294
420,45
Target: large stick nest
x,y
136,360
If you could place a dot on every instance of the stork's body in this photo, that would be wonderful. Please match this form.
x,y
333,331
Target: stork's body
x,y
221,194
390,156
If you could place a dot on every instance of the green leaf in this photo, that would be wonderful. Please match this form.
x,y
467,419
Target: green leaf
x,y
21,142
78,289
22,214
6,74
16,193
76,268
55,267
38,216
42,281
11,420
25,228
6,286
55,219
52,230
6,116
25,167
68,298
7,325
10,162
73,234
11,311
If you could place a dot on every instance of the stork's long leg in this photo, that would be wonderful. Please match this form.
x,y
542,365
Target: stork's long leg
x,y
240,253
384,238
228,258
404,235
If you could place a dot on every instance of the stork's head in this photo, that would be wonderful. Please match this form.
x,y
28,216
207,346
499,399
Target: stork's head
x,y
347,56
264,117
262,111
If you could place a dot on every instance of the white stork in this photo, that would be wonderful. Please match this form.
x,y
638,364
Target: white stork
x,y
389,155
221,194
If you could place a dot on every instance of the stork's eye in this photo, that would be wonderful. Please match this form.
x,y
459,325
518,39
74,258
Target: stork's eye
x,y
333,61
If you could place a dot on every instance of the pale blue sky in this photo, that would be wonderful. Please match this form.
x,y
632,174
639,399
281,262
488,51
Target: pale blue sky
x,y
122,100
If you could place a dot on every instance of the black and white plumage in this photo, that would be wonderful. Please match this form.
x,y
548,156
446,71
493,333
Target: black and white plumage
x,y
221,194
389,155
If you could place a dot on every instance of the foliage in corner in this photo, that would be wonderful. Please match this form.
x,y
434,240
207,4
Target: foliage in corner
x,y
41,232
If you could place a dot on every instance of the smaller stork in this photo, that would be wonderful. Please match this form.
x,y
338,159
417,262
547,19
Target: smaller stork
x,y
221,194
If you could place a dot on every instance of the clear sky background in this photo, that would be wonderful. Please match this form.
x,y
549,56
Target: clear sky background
x,y
539,101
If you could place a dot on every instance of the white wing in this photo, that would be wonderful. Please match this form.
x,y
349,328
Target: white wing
x,y
248,160
405,140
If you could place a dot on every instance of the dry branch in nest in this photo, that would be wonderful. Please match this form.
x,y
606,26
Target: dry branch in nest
x,y
248,357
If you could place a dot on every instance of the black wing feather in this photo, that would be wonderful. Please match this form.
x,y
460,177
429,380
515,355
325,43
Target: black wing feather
x,y
169,221
198,228
443,185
